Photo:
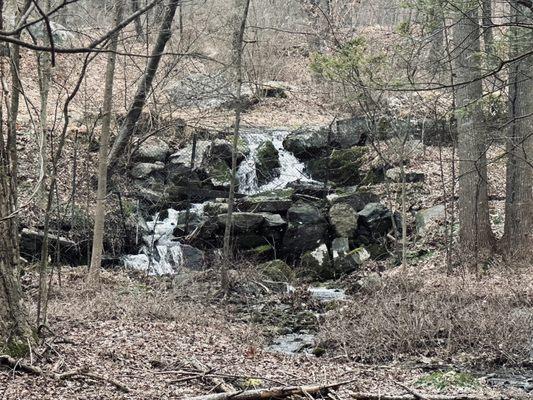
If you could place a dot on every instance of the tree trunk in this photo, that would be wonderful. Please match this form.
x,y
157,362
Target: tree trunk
x,y
143,89
475,233
15,330
240,17
518,234
488,36
138,24
99,217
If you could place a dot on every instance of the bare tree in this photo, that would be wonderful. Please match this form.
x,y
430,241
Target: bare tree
x,y
99,218
239,22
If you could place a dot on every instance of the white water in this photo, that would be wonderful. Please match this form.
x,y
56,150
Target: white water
x,y
161,253
291,168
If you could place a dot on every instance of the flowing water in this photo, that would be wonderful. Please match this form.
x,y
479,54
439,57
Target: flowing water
x,y
291,169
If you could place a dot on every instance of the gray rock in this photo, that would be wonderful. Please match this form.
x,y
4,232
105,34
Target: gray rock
x,y
144,170
308,142
243,221
317,263
183,156
273,89
376,220
350,132
275,201
152,150
273,220
344,219
355,198
346,260
213,208
307,228
429,217
193,258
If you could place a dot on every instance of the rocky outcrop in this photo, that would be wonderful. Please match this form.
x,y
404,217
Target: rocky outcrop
x,y
429,217
308,142
376,220
317,263
275,201
341,167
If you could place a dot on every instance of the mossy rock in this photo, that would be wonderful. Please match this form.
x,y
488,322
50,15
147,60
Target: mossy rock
x,y
267,163
317,264
342,167
219,174
277,270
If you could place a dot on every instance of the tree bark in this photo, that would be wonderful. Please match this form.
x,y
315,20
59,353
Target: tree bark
x,y
488,36
138,24
15,330
518,229
240,17
475,235
143,89
99,217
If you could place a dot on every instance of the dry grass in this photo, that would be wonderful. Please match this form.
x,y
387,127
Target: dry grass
x,y
487,321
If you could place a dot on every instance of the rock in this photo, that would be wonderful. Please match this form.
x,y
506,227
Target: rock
x,y
273,89
370,283
342,167
193,258
62,35
31,243
355,198
346,260
350,132
375,222
307,228
308,142
267,163
213,208
144,170
218,174
243,221
395,175
275,201
273,220
308,188
317,263
344,219
183,156
221,149
429,217
151,151
277,271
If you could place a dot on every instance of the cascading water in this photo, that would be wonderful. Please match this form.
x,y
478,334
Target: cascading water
x,y
291,168
161,253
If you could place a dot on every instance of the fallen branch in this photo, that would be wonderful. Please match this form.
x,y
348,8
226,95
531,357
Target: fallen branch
x,y
75,374
219,383
277,392
374,396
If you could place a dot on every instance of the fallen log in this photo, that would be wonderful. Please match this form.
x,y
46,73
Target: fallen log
x,y
377,396
276,392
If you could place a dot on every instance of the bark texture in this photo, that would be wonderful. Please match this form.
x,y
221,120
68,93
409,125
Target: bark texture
x,y
518,231
475,232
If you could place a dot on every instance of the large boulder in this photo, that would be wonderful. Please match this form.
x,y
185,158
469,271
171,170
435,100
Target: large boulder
x,y
375,221
274,201
152,150
395,175
350,132
317,263
307,228
308,142
243,221
277,271
145,170
193,258
308,188
182,157
356,198
341,167
267,163
344,219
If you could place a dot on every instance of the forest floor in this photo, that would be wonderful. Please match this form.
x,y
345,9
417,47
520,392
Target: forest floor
x,y
145,332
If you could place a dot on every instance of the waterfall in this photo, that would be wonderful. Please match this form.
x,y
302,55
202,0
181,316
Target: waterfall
x,y
161,253
291,168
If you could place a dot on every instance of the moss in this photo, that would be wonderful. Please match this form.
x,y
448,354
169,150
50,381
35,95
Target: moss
x,y
343,166
265,248
17,349
220,173
277,270
267,164
277,194
446,379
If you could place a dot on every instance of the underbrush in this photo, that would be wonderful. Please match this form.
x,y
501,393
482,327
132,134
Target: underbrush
x,y
484,322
